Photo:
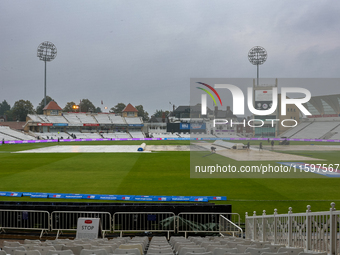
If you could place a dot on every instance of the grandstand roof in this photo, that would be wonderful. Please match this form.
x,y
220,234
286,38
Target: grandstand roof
x,y
13,124
52,106
324,105
130,108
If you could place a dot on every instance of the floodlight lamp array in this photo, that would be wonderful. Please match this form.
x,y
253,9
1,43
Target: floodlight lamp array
x,y
47,51
257,55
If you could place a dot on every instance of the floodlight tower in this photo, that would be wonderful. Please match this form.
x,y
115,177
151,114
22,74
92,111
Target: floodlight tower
x,y
257,56
46,52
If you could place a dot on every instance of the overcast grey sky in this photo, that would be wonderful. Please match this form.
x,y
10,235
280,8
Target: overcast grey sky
x,y
145,52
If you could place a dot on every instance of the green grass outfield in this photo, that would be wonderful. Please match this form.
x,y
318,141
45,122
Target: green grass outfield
x,y
158,173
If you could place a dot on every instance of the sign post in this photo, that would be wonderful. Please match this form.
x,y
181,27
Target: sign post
x,y
89,228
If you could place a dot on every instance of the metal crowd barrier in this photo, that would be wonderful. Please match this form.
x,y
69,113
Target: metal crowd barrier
x,y
25,219
227,226
144,222
206,222
67,220
132,222
313,231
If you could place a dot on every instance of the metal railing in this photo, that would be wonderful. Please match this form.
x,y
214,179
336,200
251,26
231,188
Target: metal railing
x,y
221,223
25,219
203,222
144,222
67,220
313,231
226,226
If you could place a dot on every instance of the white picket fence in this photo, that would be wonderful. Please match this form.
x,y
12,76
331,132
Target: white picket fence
x,y
313,231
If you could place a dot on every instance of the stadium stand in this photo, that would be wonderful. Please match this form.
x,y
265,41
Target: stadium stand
x,y
103,118
34,118
184,135
72,119
52,119
314,130
164,135
11,135
226,134
295,130
116,135
84,135
335,133
4,137
202,135
85,118
136,134
53,135
117,119
136,120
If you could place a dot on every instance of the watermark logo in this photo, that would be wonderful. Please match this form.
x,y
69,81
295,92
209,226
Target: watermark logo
x,y
238,99
204,97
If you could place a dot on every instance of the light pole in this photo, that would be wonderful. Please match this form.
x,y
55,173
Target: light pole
x,y
257,56
46,52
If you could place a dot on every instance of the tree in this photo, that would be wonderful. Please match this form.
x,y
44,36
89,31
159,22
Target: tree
x,y
86,106
159,113
118,108
9,115
4,107
21,108
98,110
41,106
142,113
69,107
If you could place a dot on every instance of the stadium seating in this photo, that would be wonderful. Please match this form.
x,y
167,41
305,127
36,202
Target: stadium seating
x,y
103,118
257,251
28,241
44,249
274,253
313,253
135,120
96,252
35,118
12,135
291,250
11,244
136,134
335,133
116,135
107,248
223,251
31,252
274,247
85,135
164,135
75,249
85,118
261,244
59,252
72,119
134,251
53,135
241,248
118,120
213,247
5,137
11,250
316,130
55,119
